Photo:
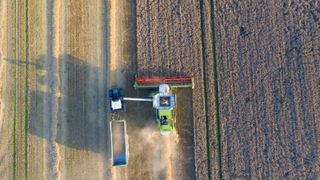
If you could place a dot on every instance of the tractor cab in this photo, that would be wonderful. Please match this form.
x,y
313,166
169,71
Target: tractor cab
x,y
116,100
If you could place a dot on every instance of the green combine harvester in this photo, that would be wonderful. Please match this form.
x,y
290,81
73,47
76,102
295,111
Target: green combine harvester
x,y
164,102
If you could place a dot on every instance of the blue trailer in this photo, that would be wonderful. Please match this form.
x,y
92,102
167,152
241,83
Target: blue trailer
x,y
119,143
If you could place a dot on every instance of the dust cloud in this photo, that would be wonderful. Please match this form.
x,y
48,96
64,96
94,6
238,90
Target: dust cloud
x,y
163,149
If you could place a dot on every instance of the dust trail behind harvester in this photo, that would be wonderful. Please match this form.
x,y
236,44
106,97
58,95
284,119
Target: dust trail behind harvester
x,y
163,155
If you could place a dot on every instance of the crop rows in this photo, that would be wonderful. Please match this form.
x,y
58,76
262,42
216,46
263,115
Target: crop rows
x,y
263,87
171,40
268,59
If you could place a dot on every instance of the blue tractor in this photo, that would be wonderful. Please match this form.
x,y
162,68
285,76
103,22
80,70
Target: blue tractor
x,y
116,100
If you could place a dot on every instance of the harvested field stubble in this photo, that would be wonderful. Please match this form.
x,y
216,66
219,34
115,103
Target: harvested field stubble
x,y
268,64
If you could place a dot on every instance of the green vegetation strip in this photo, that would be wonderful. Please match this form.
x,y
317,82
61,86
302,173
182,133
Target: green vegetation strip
x,y
14,97
26,111
204,76
216,88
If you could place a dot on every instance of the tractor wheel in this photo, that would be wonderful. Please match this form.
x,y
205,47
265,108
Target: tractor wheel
x,y
110,93
121,92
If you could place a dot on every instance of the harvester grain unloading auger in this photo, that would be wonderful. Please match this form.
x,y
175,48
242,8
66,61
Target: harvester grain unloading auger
x,y
163,101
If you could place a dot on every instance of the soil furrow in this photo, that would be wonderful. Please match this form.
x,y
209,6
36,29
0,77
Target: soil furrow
x,y
204,60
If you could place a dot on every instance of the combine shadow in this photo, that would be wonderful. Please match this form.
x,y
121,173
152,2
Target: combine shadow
x,y
84,107
68,108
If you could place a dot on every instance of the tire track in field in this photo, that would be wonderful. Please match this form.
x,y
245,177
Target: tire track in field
x,y
2,39
58,40
204,79
216,88
205,52
21,81
102,76
26,110
116,77
50,99
15,50
14,98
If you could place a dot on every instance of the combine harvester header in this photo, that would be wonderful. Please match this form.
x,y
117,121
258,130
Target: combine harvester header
x,y
154,81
